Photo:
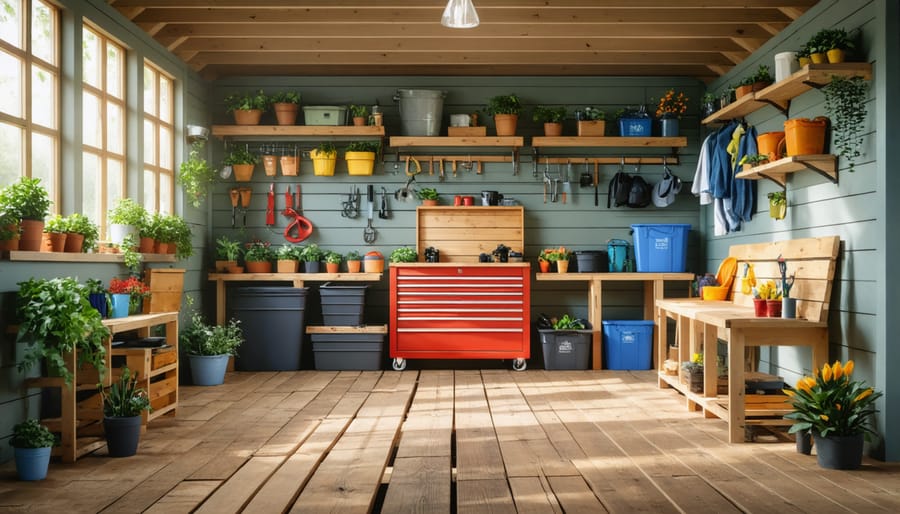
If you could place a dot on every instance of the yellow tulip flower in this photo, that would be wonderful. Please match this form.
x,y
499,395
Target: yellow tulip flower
x,y
848,368
826,372
837,370
803,385
824,417
863,395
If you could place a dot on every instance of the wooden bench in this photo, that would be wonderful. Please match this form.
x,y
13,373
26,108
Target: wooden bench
x,y
698,321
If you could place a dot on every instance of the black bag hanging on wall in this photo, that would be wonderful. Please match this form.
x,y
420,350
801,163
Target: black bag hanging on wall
x,y
630,190
640,194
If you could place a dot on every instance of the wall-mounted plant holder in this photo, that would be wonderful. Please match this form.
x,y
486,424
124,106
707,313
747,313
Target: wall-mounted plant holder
x,y
777,205
197,133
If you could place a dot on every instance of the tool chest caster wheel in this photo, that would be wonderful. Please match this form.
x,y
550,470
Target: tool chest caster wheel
x,y
520,365
399,364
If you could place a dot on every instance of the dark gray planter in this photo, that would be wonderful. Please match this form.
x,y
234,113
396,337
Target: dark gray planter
x,y
839,452
122,435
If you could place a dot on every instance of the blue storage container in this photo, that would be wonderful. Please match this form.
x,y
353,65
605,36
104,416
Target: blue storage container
x,y
628,344
661,247
634,127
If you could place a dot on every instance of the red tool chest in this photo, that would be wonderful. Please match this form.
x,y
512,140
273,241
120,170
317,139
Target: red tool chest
x,y
460,311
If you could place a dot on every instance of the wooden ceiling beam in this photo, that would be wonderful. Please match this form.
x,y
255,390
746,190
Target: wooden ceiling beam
x,y
750,45
481,4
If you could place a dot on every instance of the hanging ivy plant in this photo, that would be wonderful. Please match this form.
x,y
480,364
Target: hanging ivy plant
x,y
195,175
845,105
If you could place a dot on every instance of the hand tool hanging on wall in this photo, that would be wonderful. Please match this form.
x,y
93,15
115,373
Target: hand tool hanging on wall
x,y
383,212
235,197
567,186
246,193
270,206
298,223
350,207
596,184
369,233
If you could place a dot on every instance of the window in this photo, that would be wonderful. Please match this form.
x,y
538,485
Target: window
x,y
103,124
29,68
159,143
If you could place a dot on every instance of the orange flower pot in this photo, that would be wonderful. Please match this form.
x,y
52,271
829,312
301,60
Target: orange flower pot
x,y
804,136
332,267
270,165
258,267
506,124
74,242
552,129
353,266
243,172
247,117
768,144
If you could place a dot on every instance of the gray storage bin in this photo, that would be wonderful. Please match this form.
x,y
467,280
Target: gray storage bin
x,y
335,352
566,349
272,319
343,305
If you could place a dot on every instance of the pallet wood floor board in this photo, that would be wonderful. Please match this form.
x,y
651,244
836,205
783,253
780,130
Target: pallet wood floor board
x,y
419,485
575,495
184,498
484,496
533,495
237,490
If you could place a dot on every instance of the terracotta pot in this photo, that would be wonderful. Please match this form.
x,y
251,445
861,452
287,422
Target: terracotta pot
x,y
759,308
222,266
287,266
147,245
32,234
552,129
289,166
505,124
243,172
374,265
773,308
545,266
247,117
286,112
172,248
259,267
359,121
562,266
7,245
332,267
592,128
353,266
236,269
74,243
270,165
743,90
835,55
429,203
161,247
53,242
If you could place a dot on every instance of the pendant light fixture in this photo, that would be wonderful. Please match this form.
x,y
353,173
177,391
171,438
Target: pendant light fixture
x,y
460,14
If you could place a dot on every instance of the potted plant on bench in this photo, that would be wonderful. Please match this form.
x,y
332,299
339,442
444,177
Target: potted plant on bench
x,y
551,117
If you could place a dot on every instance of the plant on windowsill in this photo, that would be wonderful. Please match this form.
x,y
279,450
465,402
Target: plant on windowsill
x,y
196,175
54,234
126,217
176,233
29,202
845,105
55,319
10,230
79,224
247,108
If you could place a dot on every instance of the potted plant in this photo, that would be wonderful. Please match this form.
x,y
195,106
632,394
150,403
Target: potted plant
x,y
836,409
428,195
242,162
752,160
258,257
708,105
669,110
151,235
354,261
777,205
551,117
803,55
196,175
561,257
591,121
505,109
127,295
767,300
123,405
127,217
404,254
286,105
247,108
845,105
82,233
324,158
10,230
228,251
54,234
311,254
360,157
816,46
830,45
209,348
333,261
27,201
549,258
175,233
360,114
32,444
98,296
288,259
56,319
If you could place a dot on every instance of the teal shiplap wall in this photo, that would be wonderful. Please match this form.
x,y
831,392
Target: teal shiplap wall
x,y
576,225
855,209
16,403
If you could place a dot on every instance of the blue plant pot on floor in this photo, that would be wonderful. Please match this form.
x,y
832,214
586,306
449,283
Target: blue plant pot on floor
x,y
32,463
208,370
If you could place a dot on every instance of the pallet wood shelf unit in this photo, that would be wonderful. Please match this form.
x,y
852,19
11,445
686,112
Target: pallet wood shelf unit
x,y
21,255
297,280
777,171
608,142
446,141
80,421
780,94
311,132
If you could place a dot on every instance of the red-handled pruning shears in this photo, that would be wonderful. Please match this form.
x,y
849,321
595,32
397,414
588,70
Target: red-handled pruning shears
x,y
302,225
270,206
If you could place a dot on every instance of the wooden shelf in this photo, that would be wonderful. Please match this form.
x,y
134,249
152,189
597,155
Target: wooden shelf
x,y
20,255
332,329
780,94
824,164
296,131
438,141
290,277
606,142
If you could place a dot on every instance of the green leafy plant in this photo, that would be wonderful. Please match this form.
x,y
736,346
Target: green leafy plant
x,y
831,403
762,74
427,193
590,113
776,197
353,255
333,257
199,338
845,105
56,318
241,155
285,97
289,253
77,223
31,434
754,159
830,39
131,257
258,251
326,149
311,253
567,323
544,114
228,249
26,199
504,104
9,225
359,111
247,101
173,229
123,398
196,175
128,212
554,254
363,146
55,224
404,254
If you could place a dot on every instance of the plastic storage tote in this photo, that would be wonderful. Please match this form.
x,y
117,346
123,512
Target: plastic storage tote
x,y
273,325
325,115
343,305
628,344
660,248
566,349
348,351
634,127
591,261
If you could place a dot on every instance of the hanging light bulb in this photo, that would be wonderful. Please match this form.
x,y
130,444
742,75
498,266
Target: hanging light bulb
x,y
460,14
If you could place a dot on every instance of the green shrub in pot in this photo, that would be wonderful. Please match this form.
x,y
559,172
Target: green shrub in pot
x,y
200,338
77,223
504,104
247,101
26,199
544,114
404,254
128,212
311,253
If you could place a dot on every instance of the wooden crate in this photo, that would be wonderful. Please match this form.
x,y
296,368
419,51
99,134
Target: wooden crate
x,y
462,233
166,288
466,131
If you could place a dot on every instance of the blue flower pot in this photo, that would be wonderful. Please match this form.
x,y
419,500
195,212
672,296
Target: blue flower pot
x,y
98,301
208,370
120,303
32,463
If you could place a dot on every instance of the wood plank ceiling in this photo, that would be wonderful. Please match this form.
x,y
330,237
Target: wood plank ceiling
x,y
695,38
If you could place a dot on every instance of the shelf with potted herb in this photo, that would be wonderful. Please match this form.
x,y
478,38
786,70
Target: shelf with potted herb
x,y
293,132
777,171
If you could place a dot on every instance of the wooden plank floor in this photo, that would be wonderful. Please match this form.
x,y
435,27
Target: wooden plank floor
x,y
448,441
